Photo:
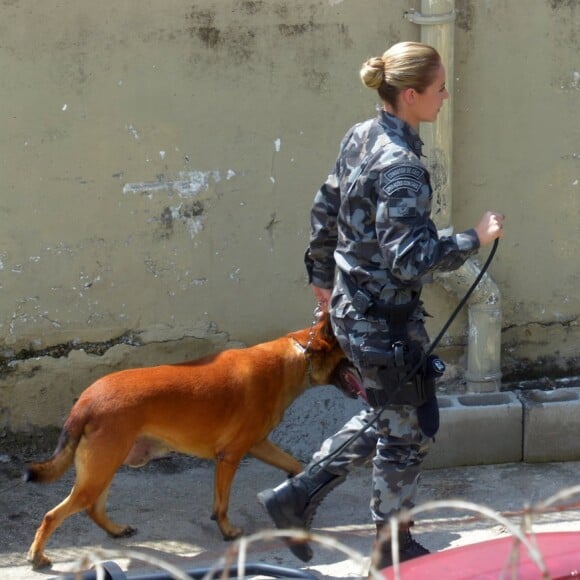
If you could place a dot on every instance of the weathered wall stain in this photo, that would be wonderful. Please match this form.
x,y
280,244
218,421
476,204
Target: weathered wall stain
x,y
292,30
166,223
187,184
190,214
238,44
464,14
252,7
562,4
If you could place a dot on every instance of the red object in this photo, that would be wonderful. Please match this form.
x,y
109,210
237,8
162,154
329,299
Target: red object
x,y
487,560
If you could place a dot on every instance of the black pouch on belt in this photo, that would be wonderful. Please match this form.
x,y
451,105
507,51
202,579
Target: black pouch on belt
x,y
395,367
428,412
405,384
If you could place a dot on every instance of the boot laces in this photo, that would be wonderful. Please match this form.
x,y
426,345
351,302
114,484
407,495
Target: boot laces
x,y
317,494
312,506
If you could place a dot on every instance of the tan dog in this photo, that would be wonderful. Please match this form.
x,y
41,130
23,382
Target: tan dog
x,y
221,407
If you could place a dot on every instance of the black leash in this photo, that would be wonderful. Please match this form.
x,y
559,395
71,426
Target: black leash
x,y
326,460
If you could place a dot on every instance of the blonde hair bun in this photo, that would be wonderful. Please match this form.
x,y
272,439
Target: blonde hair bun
x,y
372,72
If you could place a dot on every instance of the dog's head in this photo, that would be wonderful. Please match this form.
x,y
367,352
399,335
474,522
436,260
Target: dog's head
x,y
328,363
347,379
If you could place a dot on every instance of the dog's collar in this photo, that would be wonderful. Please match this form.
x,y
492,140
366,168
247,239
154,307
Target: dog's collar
x,y
304,350
301,347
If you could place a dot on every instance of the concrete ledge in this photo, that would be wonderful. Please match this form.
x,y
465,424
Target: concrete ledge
x,y
477,429
551,425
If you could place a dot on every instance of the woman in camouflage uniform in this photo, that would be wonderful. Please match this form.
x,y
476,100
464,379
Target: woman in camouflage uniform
x,y
372,247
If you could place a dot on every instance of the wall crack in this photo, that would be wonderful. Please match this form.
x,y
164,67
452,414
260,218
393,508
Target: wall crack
x,y
547,324
9,360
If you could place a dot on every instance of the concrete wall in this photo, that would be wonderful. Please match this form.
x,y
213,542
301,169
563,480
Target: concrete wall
x,y
159,160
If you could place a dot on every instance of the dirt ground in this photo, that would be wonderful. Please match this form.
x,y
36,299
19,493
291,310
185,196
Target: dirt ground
x,y
169,502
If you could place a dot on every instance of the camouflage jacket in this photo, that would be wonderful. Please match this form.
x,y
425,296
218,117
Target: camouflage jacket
x,y
370,222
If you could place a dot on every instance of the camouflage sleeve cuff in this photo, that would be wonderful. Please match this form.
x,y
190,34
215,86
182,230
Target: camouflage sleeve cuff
x,y
467,241
317,276
321,277
321,281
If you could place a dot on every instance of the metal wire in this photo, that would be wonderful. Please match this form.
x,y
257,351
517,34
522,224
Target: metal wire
x,y
238,551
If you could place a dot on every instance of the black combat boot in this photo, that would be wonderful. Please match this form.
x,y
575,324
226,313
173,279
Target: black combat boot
x,y
409,548
293,503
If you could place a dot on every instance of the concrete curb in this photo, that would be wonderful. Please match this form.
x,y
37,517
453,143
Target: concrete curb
x,y
477,429
551,427
507,427
530,422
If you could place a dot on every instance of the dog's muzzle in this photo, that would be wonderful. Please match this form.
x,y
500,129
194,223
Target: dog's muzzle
x,y
348,380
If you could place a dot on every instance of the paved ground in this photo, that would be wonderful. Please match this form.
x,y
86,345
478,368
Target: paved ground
x,y
169,503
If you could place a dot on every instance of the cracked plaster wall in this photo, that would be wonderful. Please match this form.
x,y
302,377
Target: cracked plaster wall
x,y
159,161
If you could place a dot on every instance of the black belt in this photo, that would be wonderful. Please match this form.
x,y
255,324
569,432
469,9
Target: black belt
x,y
394,314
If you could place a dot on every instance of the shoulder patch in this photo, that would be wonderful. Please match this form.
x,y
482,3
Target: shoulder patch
x,y
401,170
402,184
402,207
409,177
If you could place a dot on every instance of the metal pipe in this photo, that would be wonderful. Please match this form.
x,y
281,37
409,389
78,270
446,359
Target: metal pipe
x,y
483,374
484,316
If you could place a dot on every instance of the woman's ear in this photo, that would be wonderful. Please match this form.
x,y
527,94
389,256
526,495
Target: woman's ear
x,y
409,95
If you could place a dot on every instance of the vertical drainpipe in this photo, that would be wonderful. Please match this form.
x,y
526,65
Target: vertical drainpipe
x,y
484,306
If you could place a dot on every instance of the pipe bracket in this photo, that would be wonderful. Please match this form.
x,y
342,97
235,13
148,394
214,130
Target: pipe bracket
x,y
422,19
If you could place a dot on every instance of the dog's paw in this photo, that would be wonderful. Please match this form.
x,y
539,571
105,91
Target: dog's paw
x,y
233,534
39,561
126,532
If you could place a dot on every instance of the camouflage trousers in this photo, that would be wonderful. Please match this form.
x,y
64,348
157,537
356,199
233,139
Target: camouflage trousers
x,y
394,443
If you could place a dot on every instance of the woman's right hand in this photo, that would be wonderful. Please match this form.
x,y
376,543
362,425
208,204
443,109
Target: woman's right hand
x,y
490,227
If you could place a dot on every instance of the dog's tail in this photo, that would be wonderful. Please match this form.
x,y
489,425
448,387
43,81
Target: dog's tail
x,y
53,468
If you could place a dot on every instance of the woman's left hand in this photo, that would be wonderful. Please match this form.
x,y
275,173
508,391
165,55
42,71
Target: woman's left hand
x,y
322,297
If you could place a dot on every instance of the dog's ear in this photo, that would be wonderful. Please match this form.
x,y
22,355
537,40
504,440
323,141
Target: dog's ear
x,y
325,331
317,338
